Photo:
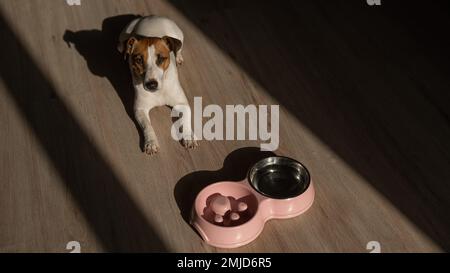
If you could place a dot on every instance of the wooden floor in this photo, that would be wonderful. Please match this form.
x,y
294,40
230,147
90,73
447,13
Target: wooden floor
x,y
364,100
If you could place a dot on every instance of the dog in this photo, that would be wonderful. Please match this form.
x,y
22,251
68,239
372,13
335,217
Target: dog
x,y
152,47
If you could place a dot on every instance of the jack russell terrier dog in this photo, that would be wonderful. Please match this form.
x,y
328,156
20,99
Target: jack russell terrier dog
x,y
152,46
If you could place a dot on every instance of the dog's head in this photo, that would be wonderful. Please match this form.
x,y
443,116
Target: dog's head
x,y
149,59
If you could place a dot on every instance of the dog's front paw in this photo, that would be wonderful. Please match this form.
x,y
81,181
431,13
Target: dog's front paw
x,y
151,148
189,143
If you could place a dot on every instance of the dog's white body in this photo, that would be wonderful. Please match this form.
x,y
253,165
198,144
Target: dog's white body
x,y
169,92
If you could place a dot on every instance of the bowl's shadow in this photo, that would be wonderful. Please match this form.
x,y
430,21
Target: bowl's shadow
x,y
235,168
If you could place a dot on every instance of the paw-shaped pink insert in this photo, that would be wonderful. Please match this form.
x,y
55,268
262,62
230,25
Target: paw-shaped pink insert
x,y
227,210
222,205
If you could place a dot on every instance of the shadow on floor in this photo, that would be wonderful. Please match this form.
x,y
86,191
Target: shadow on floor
x,y
99,49
111,213
235,168
371,82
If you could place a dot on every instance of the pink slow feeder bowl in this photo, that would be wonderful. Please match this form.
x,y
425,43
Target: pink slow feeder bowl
x,y
232,214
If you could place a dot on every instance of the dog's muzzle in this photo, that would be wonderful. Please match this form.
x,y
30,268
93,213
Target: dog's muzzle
x,y
151,85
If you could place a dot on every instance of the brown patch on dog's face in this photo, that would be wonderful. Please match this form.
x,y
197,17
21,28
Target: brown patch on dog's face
x,y
162,52
138,56
137,50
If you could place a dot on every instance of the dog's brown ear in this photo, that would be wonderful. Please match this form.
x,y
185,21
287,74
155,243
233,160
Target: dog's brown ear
x,y
129,47
174,44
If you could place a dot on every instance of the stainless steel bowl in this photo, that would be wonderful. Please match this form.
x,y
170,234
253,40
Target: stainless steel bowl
x,y
279,177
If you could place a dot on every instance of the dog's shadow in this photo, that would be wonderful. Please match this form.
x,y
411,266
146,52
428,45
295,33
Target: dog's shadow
x,y
99,49
235,168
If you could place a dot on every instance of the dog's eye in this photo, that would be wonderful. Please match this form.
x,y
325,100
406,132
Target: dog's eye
x,y
160,59
139,60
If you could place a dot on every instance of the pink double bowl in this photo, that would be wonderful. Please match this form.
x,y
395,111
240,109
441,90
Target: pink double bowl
x,y
232,214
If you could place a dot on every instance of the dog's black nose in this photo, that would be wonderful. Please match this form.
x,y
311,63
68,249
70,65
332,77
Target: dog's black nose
x,y
151,85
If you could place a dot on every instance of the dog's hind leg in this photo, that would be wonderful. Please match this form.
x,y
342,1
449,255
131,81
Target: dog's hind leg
x,y
179,57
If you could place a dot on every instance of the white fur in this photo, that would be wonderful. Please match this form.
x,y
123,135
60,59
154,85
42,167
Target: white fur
x,y
153,26
153,71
